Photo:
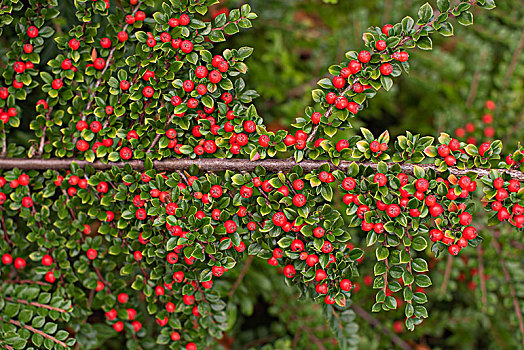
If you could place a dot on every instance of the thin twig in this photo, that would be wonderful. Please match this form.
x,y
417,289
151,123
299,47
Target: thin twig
x,y
329,111
42,139
108,63
25,302
157,137
476,80
482,280
507,277
241,276
40,283
4,228
377,324
444,284
514,60
37,331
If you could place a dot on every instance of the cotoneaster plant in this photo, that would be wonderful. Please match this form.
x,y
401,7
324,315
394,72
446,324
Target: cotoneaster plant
x,y
150,175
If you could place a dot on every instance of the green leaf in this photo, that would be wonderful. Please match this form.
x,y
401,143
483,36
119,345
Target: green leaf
x,y
231,28
325,83
244,52
419,265
465,18
386,82
422,281
207,101
446,29
46,77
367,134
419,243
407,23
424,43
216,36
382,252
425,13
443,5
327,192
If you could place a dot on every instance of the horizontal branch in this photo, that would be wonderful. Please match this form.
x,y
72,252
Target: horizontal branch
x,y
235,165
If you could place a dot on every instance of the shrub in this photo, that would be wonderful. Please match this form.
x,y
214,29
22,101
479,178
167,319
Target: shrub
x,y
150,175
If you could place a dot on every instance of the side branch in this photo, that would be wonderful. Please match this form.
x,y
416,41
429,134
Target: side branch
x,y
37,331
377,324
507,277
236,165
44,306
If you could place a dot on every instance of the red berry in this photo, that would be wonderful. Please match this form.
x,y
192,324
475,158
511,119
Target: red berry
x,y
28,48
483,148
140,16
263,140
122,36
57,84
354,66
393,210
364,56
386,28
469,233
346,285
32,32
422,185
99,63
454,249
126,153
386,69
465,218
105,43
435,235
186,46
184,20
339,82
27,202
436,210
289,271
443,151
92,254
50,277
148,91
374,146
124,85
20,263
381,45
454,144
82,145
380,179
